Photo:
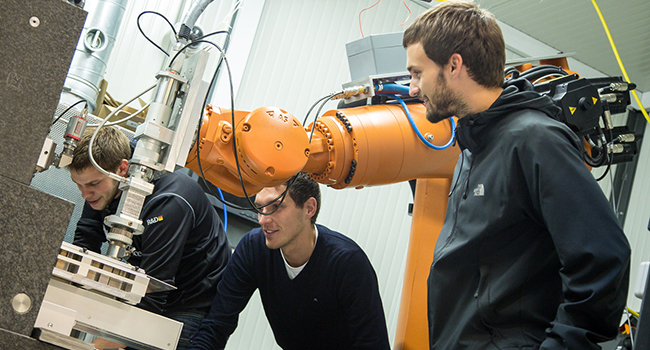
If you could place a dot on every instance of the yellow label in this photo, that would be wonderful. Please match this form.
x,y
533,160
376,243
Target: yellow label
x,y
572,109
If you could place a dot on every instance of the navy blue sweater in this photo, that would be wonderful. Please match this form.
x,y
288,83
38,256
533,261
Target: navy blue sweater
x,y
333,303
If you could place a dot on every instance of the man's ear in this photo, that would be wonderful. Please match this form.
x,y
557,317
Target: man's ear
x,y
455,63
311,205
123,168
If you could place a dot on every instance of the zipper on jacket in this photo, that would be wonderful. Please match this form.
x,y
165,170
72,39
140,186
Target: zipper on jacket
x,y
462,161
453,229
469,173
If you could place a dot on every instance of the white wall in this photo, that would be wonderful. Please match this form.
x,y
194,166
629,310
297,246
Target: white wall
x,y
289,53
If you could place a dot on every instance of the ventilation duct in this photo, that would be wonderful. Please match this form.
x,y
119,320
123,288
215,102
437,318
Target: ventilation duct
x,y
93,51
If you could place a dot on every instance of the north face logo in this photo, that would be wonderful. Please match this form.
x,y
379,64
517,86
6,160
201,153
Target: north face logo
x,y
479,190
154,220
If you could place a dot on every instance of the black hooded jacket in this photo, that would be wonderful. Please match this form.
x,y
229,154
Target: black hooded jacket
x,y
531,255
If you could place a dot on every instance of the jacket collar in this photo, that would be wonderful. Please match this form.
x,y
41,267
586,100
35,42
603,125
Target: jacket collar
x,y
517,94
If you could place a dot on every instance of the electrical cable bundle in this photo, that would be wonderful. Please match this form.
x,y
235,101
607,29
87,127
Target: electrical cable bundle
x,y
536,74
600,156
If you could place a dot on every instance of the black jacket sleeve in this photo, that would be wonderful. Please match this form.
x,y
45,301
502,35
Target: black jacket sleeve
x,y
589,241
89,233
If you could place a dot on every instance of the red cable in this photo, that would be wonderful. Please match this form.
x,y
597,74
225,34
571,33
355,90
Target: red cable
x,y
407,18
367,8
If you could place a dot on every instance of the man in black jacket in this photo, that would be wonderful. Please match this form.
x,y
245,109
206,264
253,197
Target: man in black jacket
x,y
531,256
183,243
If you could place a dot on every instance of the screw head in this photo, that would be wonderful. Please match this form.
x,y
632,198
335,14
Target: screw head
x,y
34,21
21,303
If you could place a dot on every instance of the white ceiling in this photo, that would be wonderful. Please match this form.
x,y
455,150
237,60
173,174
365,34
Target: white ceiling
x,y
574,26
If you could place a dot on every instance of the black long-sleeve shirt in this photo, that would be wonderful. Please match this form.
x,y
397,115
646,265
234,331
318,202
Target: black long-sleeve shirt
x,y
183,243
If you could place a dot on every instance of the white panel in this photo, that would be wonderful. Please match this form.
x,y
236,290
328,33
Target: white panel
x,y
217,17
638,216
135,62
528,46
253,330
645,100
574,26
377,219
243,34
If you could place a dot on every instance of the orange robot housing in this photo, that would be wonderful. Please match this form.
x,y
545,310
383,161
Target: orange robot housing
x,y
362,146
271,147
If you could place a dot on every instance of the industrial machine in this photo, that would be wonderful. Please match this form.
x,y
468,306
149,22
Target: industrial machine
x,y
95,294
355,147
87,292
386,140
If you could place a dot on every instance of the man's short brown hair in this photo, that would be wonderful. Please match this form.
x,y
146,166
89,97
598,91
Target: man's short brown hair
x,y
109,148
301,188
463,28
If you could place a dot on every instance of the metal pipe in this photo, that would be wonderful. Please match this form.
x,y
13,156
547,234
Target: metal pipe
x,y
93,51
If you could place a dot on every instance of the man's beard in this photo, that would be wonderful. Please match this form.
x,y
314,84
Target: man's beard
x,y
447,103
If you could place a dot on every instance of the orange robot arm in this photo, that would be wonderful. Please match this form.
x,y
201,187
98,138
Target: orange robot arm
x,y
361,146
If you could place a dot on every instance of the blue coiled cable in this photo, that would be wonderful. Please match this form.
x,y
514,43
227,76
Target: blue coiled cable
x,y
390,89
